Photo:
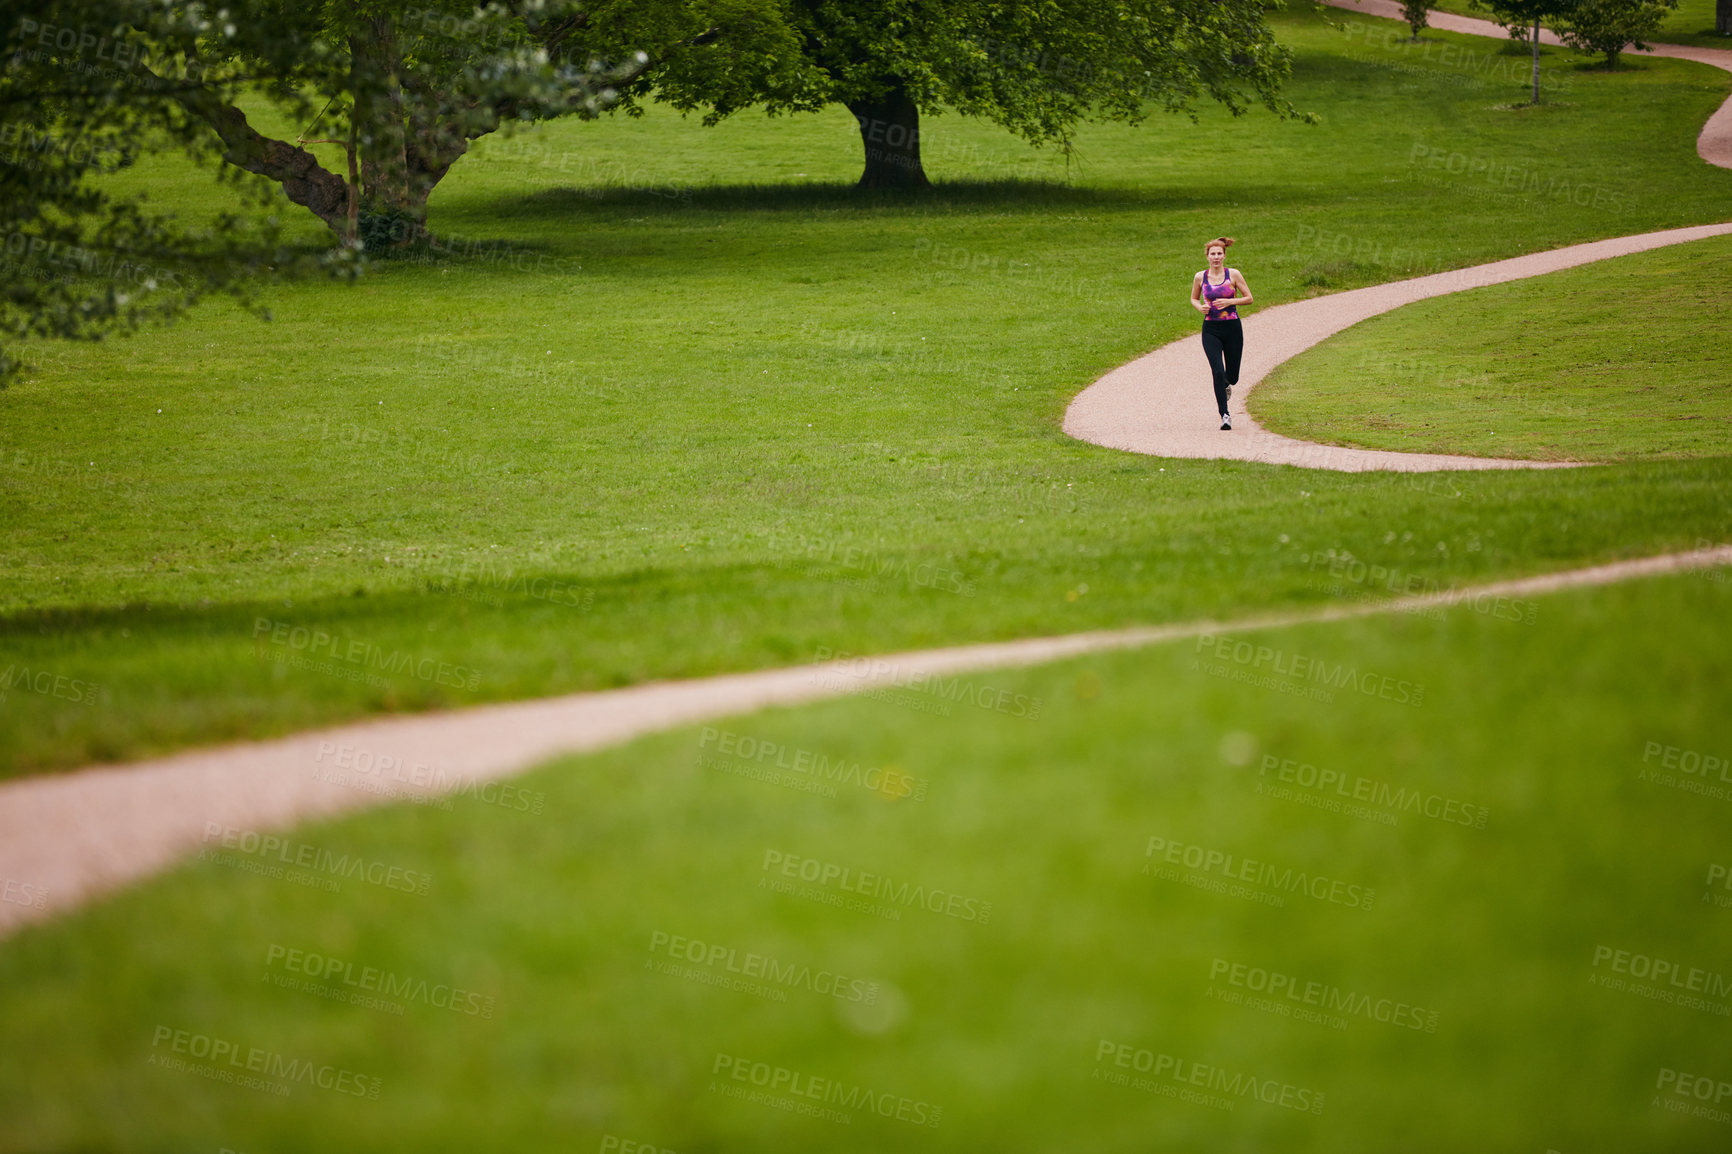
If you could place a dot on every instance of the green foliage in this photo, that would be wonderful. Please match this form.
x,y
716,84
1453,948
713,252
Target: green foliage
x,y
87,88
382,230
1608,26
116,78
402,87
1035,68
1523,18
1691,22
1518,16
683,482
1416,13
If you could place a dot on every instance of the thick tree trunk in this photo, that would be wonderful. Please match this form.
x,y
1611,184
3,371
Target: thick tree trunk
x,y
352,224
434,140
890,132
401,142
1723,17
379,120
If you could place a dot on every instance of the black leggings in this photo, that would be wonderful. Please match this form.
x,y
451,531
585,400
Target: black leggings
x,y
1223,344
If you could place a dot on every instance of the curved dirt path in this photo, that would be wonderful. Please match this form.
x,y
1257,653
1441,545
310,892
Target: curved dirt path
x,y
68,838
1163,405
1714,144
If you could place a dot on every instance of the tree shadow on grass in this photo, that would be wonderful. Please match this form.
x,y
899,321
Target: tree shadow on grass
x,y
837,196
543,224
1598,65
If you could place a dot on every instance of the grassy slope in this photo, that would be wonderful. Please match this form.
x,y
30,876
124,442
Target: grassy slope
x,y
1612,362
1691,23
552,915
844,372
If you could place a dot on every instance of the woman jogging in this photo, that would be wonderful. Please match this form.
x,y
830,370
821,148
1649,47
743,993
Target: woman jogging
x,y
1216,292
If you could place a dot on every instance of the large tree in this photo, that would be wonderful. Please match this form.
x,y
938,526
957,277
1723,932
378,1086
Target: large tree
x,y
1036,67
404,88
400,88
79,98
87,85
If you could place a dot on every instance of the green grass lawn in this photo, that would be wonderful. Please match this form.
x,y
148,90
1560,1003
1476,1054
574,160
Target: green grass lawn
x,y
737,411
1616,361
700,408
1517,841
1692,22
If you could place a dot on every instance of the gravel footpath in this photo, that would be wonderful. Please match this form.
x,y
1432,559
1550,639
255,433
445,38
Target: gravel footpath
x,y
68,838
1163,404
73,837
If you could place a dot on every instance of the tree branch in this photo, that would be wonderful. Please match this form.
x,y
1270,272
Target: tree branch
x,y
303,179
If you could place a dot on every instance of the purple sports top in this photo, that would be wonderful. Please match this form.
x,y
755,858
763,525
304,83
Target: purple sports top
x,y
1215,292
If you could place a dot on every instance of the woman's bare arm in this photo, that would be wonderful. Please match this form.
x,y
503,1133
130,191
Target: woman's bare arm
x,y
1244,296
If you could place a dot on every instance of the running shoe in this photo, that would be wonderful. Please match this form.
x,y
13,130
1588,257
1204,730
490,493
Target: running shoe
x,y
1226,422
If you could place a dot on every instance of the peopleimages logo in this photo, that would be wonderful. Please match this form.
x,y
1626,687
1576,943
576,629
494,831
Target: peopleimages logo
x,y
357,982
24,145
878,887
1371,791
796,1086
361,654
1661,980
1231,868
1721,874
1690,762
875,565
1506,178
762,967
1689,770
1320,995
1344,569
48,684
1698,1095
614,1144
886,781
1303,669
362,768
1199,1077
1675,974
305,856
24,894
85,42
230,1061
881,672
27,250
